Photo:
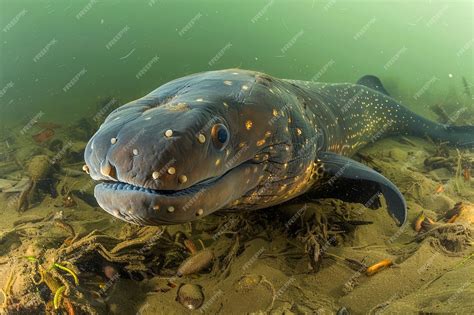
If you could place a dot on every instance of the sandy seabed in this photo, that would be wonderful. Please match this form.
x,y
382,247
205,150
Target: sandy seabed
x,y
304,257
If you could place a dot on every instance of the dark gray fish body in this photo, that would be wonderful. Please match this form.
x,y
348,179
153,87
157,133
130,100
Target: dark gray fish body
x,y
242,140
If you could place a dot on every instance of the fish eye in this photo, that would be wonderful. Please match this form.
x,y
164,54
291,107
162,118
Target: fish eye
x,y
220,136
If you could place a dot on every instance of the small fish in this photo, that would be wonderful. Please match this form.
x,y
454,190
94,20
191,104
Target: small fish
x,y
378,266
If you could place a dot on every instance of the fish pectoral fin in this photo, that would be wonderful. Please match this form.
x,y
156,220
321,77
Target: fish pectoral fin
x,y
349,180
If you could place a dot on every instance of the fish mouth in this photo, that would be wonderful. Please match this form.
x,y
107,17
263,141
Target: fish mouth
x,y
146,206
124,186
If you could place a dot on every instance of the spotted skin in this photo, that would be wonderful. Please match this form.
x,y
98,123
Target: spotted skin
x,y
165,159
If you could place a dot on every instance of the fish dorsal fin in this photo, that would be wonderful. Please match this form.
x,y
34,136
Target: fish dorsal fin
x,y
374,83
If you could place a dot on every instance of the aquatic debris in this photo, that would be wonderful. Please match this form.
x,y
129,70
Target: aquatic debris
x,y
196,263
48,279
467,174
8,167
66,227
355,264
461,212
440,189
450,238
55,145
68,306
68,201
110,272
57,296
467,89
436,162
405,140
18,187
443,116
190,296
249,281
72,273
418,222
38,169
342,311
6,291
190,246
423,222
6,184
31,258
44,135
135,254
373,269
315,238
231,254
65,189
24,197
58,286
453,218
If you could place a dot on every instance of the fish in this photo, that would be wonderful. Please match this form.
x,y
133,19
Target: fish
x,y
239,140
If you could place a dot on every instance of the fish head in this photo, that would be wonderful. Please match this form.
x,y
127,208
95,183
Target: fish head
x,y
189,148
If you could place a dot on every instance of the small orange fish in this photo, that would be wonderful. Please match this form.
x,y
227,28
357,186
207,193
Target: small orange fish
x,y
378,266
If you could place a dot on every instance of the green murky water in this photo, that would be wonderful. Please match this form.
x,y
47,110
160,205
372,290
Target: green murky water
x,y
65,64
105,44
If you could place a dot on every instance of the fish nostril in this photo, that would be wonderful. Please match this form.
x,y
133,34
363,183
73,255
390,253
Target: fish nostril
x,y
108,169
113,173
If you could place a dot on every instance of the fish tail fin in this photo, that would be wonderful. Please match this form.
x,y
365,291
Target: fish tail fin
x,y
415,125
459,136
